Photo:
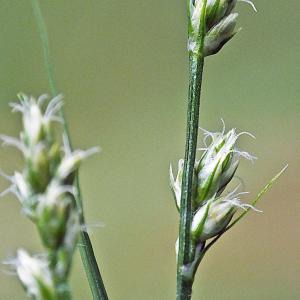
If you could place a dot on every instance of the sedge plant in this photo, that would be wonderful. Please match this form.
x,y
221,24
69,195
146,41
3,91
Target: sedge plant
x,y
206,212
46,191
48,186
36,271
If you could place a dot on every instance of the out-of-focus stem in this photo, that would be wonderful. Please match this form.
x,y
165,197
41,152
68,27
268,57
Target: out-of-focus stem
x,y
86,249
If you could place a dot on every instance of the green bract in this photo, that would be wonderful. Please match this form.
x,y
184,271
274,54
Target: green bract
x,y
213,217
217,165
220,34
218,9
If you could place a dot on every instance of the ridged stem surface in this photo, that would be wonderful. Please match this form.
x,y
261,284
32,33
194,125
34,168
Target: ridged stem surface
x,y
184,284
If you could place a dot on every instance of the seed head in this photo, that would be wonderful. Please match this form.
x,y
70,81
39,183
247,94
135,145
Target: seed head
x,y
35,276
220,34
211,24
214,216
71,162
52,213
176,184
218,164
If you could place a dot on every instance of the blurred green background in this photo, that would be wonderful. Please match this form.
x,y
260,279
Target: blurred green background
x,y
122,67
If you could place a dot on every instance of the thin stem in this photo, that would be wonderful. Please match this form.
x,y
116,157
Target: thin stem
x,y
184,285
64,294
86,249
186,246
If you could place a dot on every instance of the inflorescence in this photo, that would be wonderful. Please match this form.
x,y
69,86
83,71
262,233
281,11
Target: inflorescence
x,y
46,191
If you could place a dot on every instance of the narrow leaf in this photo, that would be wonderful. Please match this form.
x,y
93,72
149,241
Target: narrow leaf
x,y
253,203
258,197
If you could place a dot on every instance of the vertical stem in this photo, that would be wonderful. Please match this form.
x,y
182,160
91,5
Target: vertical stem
x,y
196,63
86,249
184,285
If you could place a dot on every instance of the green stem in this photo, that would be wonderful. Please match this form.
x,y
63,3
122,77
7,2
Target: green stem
x,y
184,285
86,249
186,247
64,293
